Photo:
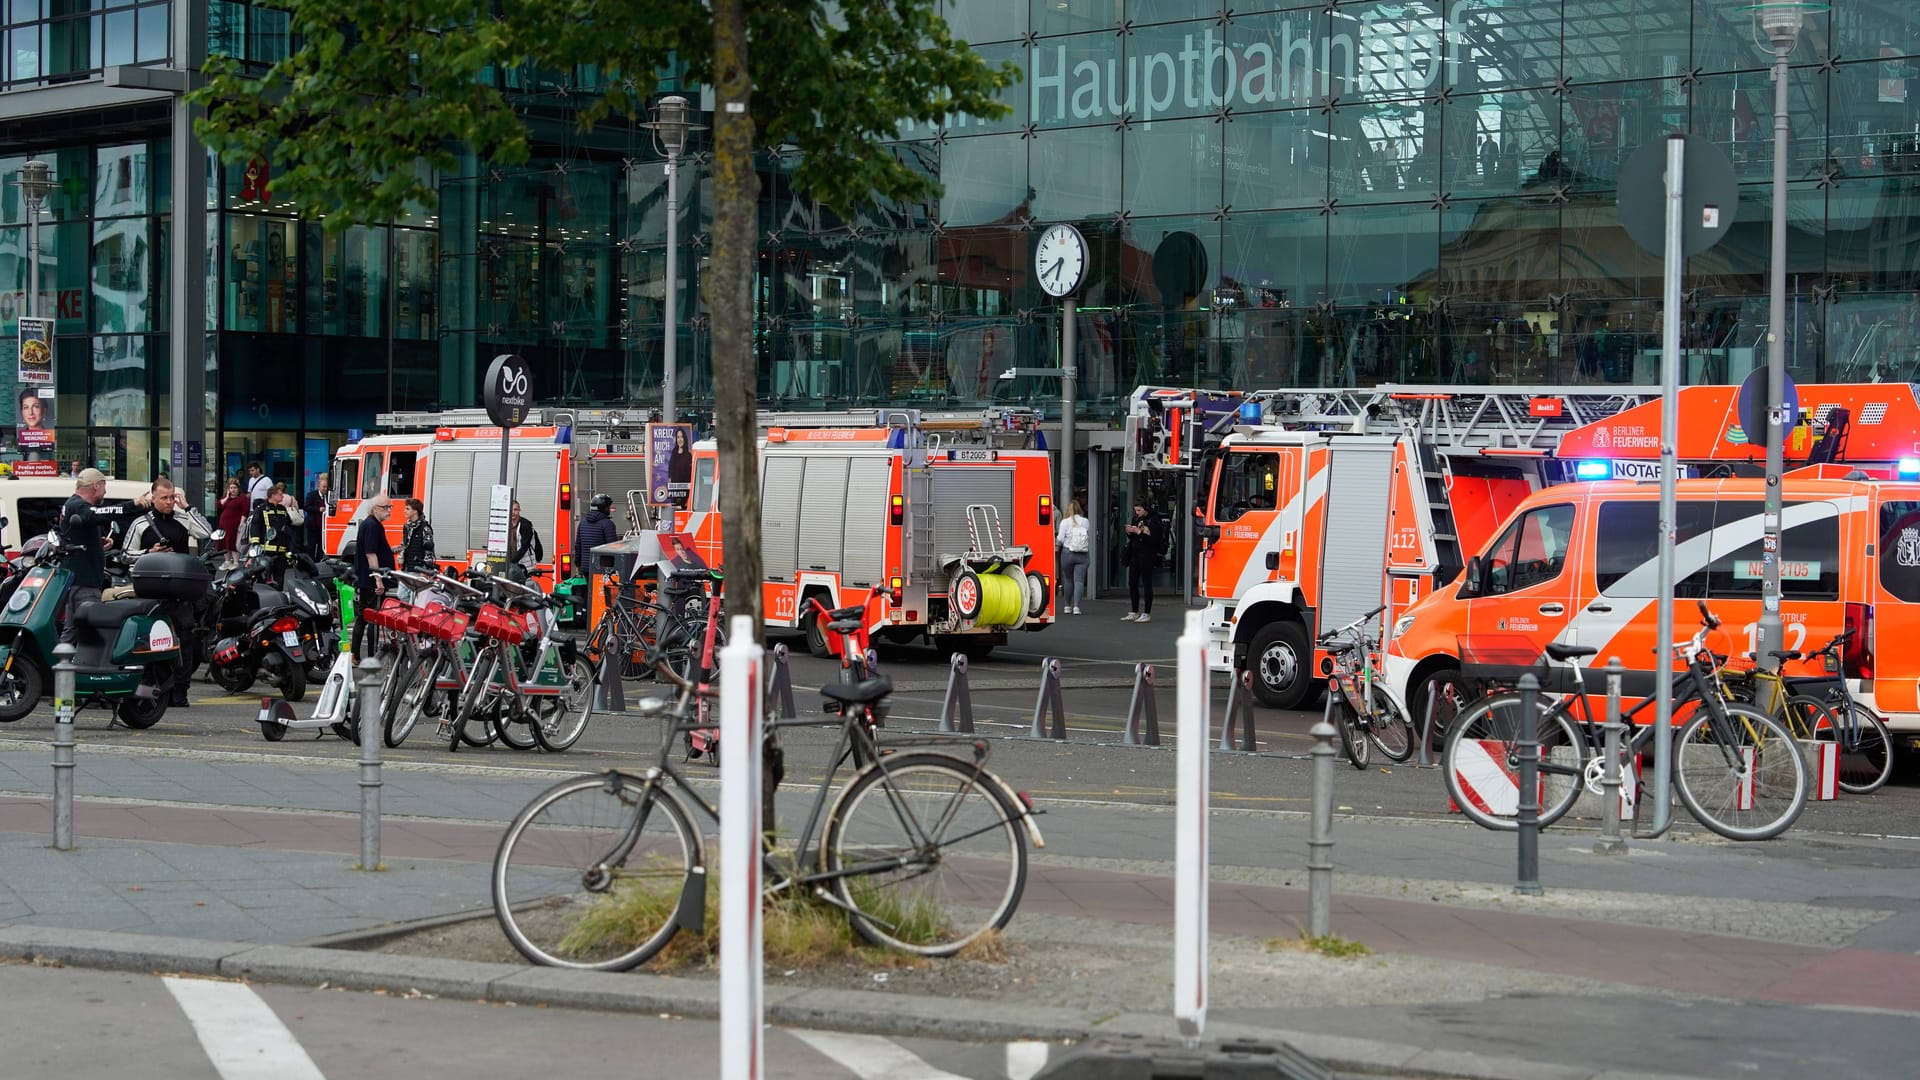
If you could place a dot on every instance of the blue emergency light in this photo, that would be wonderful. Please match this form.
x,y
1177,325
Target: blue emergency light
x,y
1908,469
1593,470
1249,412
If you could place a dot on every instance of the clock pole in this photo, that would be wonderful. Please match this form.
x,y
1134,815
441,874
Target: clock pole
x,y
1069,375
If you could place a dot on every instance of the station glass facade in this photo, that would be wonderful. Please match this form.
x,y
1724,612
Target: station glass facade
x,y
1276,194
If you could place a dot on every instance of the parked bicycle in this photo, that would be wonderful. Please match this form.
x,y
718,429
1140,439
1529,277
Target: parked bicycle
x,y
1363,709
924,851
527,684
1736,769
1820,708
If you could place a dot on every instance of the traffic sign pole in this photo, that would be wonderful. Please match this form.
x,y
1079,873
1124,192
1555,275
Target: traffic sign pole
x,y
1674,250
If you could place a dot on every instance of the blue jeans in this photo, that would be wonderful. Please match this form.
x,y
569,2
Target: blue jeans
x,y
1073,578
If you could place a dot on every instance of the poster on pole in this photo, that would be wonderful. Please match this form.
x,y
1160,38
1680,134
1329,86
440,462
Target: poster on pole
x,y
669,464
499,517
36,350
34,401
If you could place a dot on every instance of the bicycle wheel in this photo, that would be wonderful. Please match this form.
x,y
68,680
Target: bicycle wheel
x,y
1389,731
928,856
598,872
1480,762
1865,747
1717,785
417,698
1346,723
469,723
512,721
563,721
401,668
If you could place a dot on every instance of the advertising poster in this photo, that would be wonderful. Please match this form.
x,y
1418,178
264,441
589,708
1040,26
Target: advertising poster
x,y
33,403
669,464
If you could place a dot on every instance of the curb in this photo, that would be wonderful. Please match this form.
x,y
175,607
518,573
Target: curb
x,y
865,1012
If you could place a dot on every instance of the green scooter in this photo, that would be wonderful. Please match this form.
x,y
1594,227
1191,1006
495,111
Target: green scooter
x,y
127,652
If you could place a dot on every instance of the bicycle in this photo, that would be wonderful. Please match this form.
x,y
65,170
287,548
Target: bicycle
x,y
845,629
624,630
1363,710
924,852
549,691
1820,708
1736,769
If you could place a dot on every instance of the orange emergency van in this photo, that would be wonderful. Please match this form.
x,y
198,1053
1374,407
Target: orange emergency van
x,y
949,516
1578,564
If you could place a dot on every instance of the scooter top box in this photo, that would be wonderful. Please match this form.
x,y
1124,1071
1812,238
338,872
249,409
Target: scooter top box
x,y
167,575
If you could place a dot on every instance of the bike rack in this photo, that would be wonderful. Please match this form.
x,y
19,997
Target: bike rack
x,y
1049,702
613,696
779,699
956,709
1239,708
1143,716
1426,729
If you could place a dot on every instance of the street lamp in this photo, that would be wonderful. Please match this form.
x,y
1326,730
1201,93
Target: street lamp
x,y
1780,21
671,126
36,181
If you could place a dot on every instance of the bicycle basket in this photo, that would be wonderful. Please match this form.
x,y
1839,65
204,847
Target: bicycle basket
x,y
497,622
392,613
419,617
1495,661
447,625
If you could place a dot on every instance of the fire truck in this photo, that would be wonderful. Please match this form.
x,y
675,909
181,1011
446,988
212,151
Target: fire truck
x,y
948,516
1316,506
450,461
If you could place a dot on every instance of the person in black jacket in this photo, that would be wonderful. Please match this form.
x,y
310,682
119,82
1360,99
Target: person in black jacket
x,y
372,554
596,527
523,543
83,529
1146,537
316,508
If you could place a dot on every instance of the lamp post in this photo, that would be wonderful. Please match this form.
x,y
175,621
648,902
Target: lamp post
x,y
1780,21
670,126
36,181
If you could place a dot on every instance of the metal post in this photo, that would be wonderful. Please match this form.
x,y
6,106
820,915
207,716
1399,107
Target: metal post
x,y
1674,273
670,345
1188,571
741,941
1426,728
63,747
367,698
1069,384
1529,818
34,202
1610,842
187,263
1320,840
1770,633
1192,763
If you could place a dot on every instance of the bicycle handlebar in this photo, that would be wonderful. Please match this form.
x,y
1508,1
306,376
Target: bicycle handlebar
x,y
1354,625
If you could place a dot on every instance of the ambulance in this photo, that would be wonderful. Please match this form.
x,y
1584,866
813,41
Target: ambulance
x,y
451,460
1576,563
1313,507
949,517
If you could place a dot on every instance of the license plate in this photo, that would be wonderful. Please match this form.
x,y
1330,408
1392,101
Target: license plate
x,y
290,638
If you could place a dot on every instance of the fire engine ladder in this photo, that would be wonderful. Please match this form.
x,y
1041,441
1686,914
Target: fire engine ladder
x,y
581,420
989,425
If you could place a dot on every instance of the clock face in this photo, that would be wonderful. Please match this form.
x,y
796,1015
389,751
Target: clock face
x,y
1060,262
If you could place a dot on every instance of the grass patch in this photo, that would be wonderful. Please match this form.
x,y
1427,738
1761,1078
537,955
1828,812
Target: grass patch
x,y
1332,945
800,930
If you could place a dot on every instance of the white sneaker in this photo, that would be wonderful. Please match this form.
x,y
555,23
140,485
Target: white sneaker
x,y
1076,609
1129,616
1144,618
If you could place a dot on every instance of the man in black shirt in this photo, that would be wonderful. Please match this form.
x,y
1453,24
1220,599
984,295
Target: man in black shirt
x,y
169,526
83,531
373,552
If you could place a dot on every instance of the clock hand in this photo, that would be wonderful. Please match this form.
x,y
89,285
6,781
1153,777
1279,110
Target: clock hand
x,y
1058,265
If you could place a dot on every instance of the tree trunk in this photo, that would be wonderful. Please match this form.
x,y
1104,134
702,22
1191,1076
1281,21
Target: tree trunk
x,y
729,280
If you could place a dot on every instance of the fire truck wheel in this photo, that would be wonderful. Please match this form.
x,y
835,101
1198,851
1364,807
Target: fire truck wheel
x,y
1279,662
816,633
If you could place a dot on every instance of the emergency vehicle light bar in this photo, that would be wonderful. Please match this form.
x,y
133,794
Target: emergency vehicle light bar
x,y
1908,469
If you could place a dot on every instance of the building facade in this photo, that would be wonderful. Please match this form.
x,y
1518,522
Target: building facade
x,y
1276,194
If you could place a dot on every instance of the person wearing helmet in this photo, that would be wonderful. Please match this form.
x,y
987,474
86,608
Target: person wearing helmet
x,y
595,527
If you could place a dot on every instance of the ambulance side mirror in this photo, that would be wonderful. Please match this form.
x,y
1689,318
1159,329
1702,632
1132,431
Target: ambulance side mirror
x,y
1470,579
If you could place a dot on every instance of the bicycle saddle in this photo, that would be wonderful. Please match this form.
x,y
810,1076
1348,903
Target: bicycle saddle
x,y
1785,654
841,613
1559,651
860,693
844,626
1338,648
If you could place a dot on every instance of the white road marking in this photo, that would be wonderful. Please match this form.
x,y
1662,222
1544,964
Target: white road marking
x,y
872,1058
1025,1059
240,1033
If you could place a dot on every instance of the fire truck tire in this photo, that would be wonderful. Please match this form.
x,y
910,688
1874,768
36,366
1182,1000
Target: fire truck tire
x,y
1280,663
816,634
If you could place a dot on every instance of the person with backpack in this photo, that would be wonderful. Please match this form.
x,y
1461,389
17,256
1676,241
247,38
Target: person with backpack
x,y
1146,538
1074,537
596,527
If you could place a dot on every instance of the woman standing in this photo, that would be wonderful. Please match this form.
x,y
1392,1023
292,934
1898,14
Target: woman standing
x,y
1140,554
230,511
416,541
1073,537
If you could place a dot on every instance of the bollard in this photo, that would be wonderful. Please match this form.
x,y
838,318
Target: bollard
x,y
1610,842
1320,839
1239,711
1193,696
368,698
1143,714
63,747
956,709
1528,751
779,704
742,940
1049,702
1426,728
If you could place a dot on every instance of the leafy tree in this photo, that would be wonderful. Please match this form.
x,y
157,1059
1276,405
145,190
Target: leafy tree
x,y
377,87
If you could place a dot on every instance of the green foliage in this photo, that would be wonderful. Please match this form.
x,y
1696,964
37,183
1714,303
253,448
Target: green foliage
x,y
377,88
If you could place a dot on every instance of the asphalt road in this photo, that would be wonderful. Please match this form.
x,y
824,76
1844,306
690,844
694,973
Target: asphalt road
x,y
1097,658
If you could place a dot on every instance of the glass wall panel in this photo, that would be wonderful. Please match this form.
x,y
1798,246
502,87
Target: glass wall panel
x,y
1880,28
1726,39
263,279
1172,167
1496,142
1602,125
1076,173
1064,16
1875,117
1385,152
1735,111
119,389
985,179
1607,41
1279,59
1276,159
975,22
1496,46
1079,79
123,290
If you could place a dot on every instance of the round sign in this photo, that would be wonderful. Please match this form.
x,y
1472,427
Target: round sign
x,y
509,390
1709,195
1752,406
